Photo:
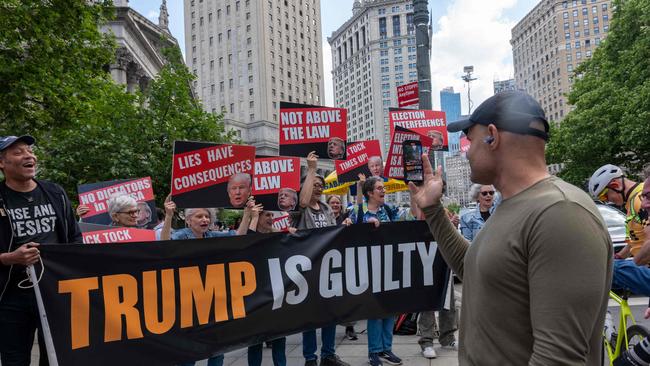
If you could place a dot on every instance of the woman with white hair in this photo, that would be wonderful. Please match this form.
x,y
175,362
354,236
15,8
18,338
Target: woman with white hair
x,y
472,221
123,210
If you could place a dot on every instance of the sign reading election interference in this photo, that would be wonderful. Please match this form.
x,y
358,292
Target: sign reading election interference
x,y
363,157
276,182
394,166
211,175
96,196
305,128
428,123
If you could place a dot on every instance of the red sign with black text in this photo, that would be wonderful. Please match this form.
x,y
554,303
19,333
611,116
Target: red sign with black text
x,y
428,123
276,182
408,94
96,196
363,157
394,166
211,175
306,128
102,234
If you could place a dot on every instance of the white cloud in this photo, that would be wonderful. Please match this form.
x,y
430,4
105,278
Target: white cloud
x,y
327,69
472,32
153,15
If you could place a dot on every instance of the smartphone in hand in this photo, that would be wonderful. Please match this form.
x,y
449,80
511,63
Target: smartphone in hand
x,y
412,161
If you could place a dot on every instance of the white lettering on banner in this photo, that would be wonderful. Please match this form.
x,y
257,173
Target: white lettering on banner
x,y
220,153
317,132
349,163
335,281
327,116
273,166
407,115
291,118
266,183
353,149
133,189
212,175
189,161
293,133
438,122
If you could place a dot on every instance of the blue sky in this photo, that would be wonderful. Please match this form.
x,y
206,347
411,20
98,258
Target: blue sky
x,y
466,32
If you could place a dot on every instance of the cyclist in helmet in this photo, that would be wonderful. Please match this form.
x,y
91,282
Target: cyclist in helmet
x,y
609,184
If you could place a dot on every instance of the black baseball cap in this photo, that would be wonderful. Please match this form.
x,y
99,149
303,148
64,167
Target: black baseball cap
x,y
7,141
511,111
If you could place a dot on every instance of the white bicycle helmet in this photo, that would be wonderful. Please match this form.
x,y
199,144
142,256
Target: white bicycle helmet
x,y
601,178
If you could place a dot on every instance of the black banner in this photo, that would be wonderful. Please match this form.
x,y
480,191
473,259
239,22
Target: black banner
x,y
164,303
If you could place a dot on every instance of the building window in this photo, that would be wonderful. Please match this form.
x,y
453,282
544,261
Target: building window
x,y
396,26
383,33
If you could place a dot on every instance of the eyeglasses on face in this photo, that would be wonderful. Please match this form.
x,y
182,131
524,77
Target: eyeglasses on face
x,y
131,213
380,188
603,195
485,193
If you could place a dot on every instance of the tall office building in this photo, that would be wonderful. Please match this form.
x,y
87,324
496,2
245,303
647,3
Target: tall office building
x,y
550,42
503,85
450,104
458,178
372,54
248,55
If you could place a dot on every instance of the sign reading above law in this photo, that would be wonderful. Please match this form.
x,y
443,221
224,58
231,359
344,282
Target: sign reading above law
x,y
364,157
407,94
211,175
276,182
428,123
305,128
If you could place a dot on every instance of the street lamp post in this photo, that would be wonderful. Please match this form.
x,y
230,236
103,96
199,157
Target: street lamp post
x,y
421,21
468,70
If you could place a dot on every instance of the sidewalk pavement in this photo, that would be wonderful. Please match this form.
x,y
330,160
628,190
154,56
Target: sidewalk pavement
x,y
353,352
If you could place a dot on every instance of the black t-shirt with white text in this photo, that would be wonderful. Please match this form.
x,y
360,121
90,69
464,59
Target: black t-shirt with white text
x,y
33,219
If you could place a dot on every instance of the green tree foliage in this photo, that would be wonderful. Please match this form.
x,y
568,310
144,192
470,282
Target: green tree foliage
x,y
97,131
611,122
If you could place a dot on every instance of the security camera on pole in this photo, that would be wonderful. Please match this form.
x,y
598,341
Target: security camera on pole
x,y
423,41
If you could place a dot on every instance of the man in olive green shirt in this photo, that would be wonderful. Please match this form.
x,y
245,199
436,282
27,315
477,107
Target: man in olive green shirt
x,y
536,277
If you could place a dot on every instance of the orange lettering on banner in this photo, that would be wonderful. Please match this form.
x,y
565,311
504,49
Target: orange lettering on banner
x,y
242,284
194,292
150,301
79,290
120,298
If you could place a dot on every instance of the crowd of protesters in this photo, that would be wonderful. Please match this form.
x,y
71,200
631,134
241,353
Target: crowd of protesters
x,y
531,256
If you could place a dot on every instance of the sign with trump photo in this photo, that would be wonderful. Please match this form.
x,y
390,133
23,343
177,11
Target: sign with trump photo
x,y
432,124
306,128
212,175
364,157
276,182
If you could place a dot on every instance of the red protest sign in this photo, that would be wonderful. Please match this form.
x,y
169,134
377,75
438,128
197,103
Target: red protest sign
x,y
101,234
407,94
211,175
281,221
276,182
96,195
308,128
394,166
428,123
464,144
363,157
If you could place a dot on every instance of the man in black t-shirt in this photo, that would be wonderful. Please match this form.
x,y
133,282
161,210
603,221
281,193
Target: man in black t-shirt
x,y
31,212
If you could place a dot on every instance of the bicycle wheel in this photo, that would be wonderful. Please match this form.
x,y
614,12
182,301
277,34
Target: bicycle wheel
x,y
635,334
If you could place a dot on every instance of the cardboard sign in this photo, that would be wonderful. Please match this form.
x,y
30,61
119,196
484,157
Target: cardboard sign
x,y
276,182
394,166
428,123
96,196
102,234
211,175
281,221
408,94
363,157
306,128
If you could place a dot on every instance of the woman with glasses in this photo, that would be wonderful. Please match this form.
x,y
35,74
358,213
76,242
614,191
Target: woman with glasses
x,y
380,331
123,210
472,222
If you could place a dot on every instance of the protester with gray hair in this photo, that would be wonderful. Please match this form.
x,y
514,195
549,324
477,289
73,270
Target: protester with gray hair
x,y
123,210
472,221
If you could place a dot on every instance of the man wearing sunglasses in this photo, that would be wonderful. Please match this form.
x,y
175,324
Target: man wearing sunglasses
x,y
472,221
31,212
609,184
536,277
